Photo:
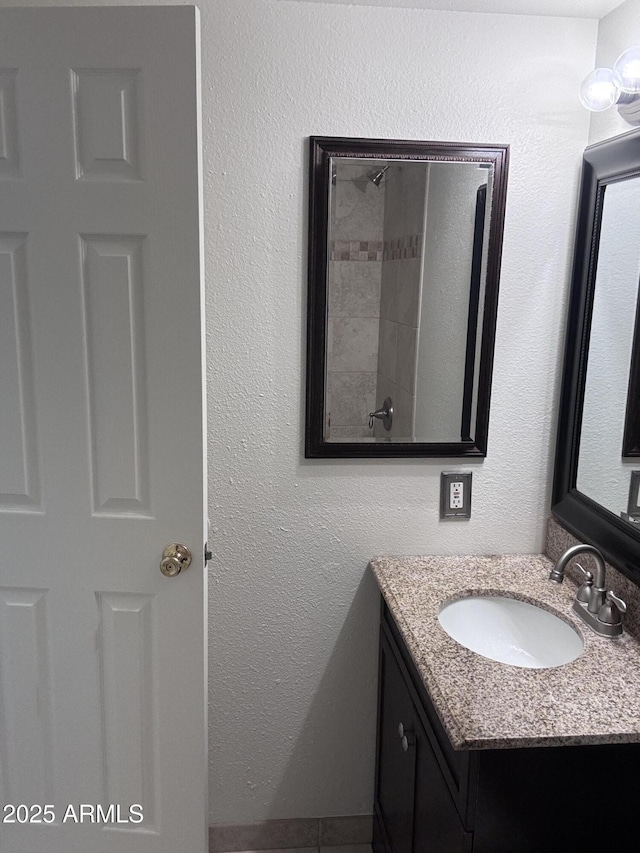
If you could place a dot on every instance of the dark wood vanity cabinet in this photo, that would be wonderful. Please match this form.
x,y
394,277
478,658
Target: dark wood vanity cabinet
x,y
431,798
418,811
414,807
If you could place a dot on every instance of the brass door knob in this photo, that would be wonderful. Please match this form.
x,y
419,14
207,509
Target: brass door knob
x,y
175,558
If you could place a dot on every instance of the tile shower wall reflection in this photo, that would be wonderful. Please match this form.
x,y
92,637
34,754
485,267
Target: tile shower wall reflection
x,y
399,270
400,294
375,270
355,270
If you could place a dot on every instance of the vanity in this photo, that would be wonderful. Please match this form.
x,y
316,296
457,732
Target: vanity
x,y
482,757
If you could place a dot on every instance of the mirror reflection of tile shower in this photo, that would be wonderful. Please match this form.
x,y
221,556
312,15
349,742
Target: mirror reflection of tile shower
x,y
403,319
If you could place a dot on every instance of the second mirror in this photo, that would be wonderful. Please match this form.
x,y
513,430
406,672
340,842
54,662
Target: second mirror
x,y
404,271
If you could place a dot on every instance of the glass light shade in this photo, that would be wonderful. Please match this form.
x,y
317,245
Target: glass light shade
x,y
600,89
628,67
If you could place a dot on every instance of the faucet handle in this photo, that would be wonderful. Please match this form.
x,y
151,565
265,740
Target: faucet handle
x,y
588,576
611,611
619,603
585,591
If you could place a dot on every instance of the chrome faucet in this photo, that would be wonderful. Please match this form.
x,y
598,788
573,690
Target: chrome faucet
x,y
596,598
601,610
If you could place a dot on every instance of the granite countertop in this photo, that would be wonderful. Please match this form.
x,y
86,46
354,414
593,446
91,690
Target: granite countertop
x,y
484,704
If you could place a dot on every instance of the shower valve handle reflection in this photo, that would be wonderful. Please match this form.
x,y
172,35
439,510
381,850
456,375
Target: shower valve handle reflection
x,y
385,414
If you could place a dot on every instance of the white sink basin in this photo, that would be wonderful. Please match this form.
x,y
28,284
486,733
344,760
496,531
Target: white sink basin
x,y
511,631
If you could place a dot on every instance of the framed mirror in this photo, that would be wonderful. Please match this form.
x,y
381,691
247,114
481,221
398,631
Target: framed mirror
x,y
596,492
405,240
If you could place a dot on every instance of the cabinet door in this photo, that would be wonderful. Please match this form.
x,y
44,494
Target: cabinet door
x,y
395,782
436,824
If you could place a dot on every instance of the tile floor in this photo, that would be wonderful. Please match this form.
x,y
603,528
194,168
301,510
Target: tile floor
x,y
344,848
344,834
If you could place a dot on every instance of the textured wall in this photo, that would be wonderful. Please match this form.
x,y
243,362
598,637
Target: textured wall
x,y
619,30
293,637
293,614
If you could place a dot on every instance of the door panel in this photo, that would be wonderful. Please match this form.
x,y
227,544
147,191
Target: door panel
x,y
27,770
396,766
9,150
113,300
106,121
127,697
437,825
19,482
102,658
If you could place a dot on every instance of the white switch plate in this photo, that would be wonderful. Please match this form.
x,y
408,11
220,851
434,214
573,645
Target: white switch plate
x,y
455,494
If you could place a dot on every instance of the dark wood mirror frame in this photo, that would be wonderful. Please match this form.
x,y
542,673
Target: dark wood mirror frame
x,y
322,149
607,162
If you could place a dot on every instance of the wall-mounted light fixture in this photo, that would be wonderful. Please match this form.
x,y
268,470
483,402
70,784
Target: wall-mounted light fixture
x,y
619,85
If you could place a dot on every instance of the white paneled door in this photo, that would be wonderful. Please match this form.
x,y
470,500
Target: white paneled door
x,y
102,661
